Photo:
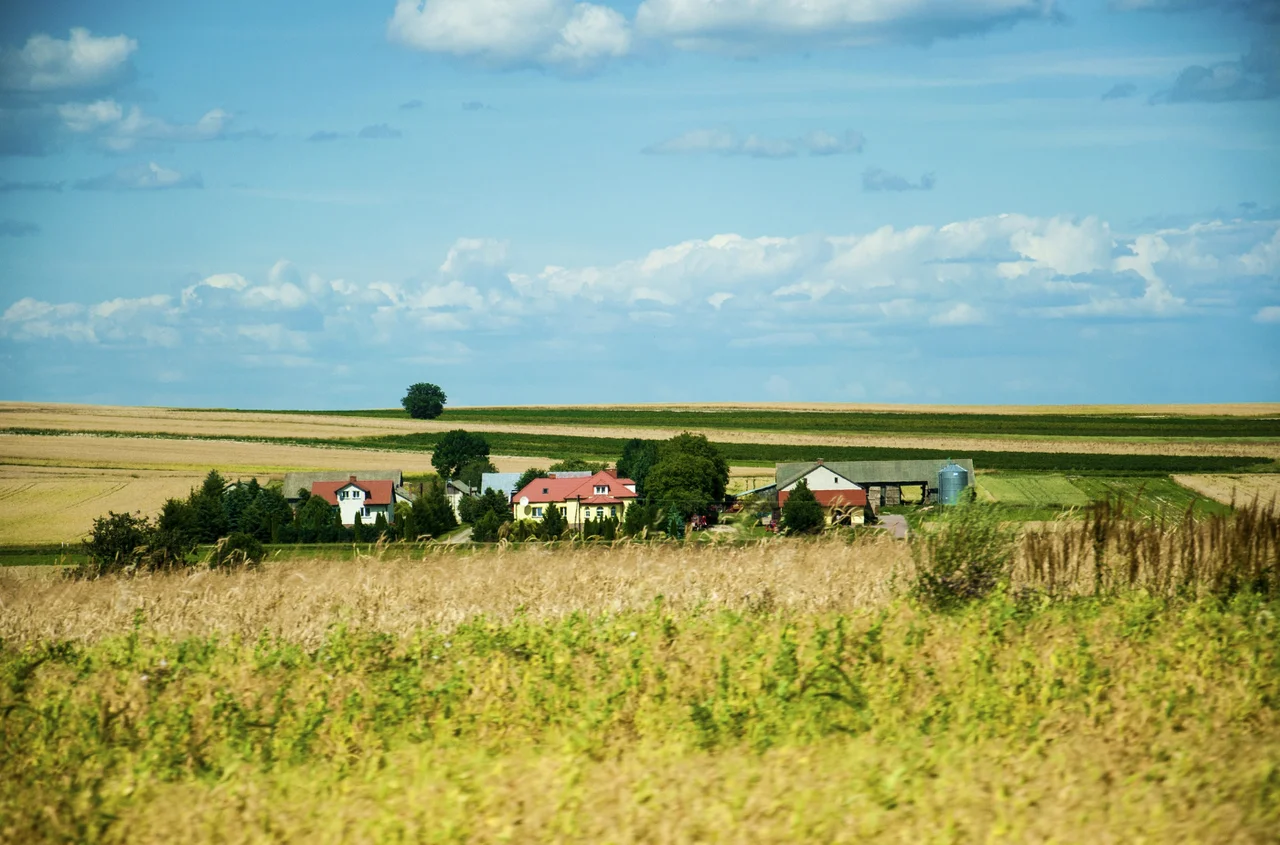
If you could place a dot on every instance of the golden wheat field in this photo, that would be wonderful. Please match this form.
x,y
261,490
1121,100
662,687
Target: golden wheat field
x,y
235,423
1234,488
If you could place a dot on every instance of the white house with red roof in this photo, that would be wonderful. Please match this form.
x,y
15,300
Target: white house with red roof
x,y
600,496
353,496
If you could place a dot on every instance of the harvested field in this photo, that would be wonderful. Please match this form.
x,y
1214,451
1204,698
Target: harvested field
x,y
52,488
1240,488
1237,409
59,505
227,456
249,424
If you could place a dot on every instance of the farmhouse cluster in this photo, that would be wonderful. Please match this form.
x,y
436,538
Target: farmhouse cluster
x,y
847,491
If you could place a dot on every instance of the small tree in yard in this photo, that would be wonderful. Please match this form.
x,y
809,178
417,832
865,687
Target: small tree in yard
x,y
472,472
553,523
802,514
424,401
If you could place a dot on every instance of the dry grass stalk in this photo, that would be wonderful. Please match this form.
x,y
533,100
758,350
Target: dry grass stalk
x,y
384,591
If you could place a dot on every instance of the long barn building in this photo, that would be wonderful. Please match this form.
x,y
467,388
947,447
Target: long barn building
x,y
884,482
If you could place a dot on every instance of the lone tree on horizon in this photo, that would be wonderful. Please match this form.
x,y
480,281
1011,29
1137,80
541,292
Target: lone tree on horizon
x,y
424,401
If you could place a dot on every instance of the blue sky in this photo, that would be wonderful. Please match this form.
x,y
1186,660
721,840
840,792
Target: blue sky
x,y
525,201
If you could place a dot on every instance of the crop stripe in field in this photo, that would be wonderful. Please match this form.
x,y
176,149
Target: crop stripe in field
x,y
560,447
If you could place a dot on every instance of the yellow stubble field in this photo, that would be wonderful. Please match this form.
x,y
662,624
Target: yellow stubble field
x,y
53,487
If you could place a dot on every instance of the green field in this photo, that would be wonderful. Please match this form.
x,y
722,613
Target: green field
x,y
1033,490
1146,496
1139,426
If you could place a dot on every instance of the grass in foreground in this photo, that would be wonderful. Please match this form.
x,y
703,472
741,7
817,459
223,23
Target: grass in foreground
x,y
1088,720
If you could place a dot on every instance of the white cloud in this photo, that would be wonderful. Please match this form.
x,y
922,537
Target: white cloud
x,y
960,314
753,25
1263,259
119,129
47,64
574,37
144,177
1269,314
727,143
785,290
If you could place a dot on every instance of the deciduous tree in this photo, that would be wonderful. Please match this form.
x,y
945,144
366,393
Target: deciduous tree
x,y
424,401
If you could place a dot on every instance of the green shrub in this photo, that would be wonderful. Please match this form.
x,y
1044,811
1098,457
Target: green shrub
x,y
237,550
802,514
963,557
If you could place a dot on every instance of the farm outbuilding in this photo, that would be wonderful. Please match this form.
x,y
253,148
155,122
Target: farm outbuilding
x,y
884,482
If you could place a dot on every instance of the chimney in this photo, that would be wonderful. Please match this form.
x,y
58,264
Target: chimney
x,y
353,479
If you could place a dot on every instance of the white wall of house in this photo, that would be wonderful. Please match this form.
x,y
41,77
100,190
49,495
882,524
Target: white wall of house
x,y
821,478
351,501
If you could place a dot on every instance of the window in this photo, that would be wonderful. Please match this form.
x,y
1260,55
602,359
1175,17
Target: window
x,y
364,511
599,513
537,512
613,510
545,491
602,490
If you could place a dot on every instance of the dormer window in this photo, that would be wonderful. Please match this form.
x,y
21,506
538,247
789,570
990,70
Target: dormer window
x,y
602,489
545,491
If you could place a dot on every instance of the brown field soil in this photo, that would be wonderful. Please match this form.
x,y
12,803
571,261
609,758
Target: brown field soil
x,y
223,423
401,590
1240,488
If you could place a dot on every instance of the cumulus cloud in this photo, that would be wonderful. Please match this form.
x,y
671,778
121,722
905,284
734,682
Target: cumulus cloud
x,y
379,131
1120,91
1269,314
119,128
572,37
771,24
1255,76
17,228
46,64
727,143
991,270
578,37
144,177
877,179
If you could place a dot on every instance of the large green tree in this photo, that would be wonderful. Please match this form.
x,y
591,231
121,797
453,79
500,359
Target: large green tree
x,y
424,401
689,476
638,457
455,450
697,445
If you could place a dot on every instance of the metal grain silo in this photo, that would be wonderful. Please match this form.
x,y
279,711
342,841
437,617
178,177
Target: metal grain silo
x,y
952,481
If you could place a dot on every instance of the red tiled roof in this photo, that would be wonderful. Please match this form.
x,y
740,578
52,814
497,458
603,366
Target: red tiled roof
x,y
832,498
376,492
564,489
